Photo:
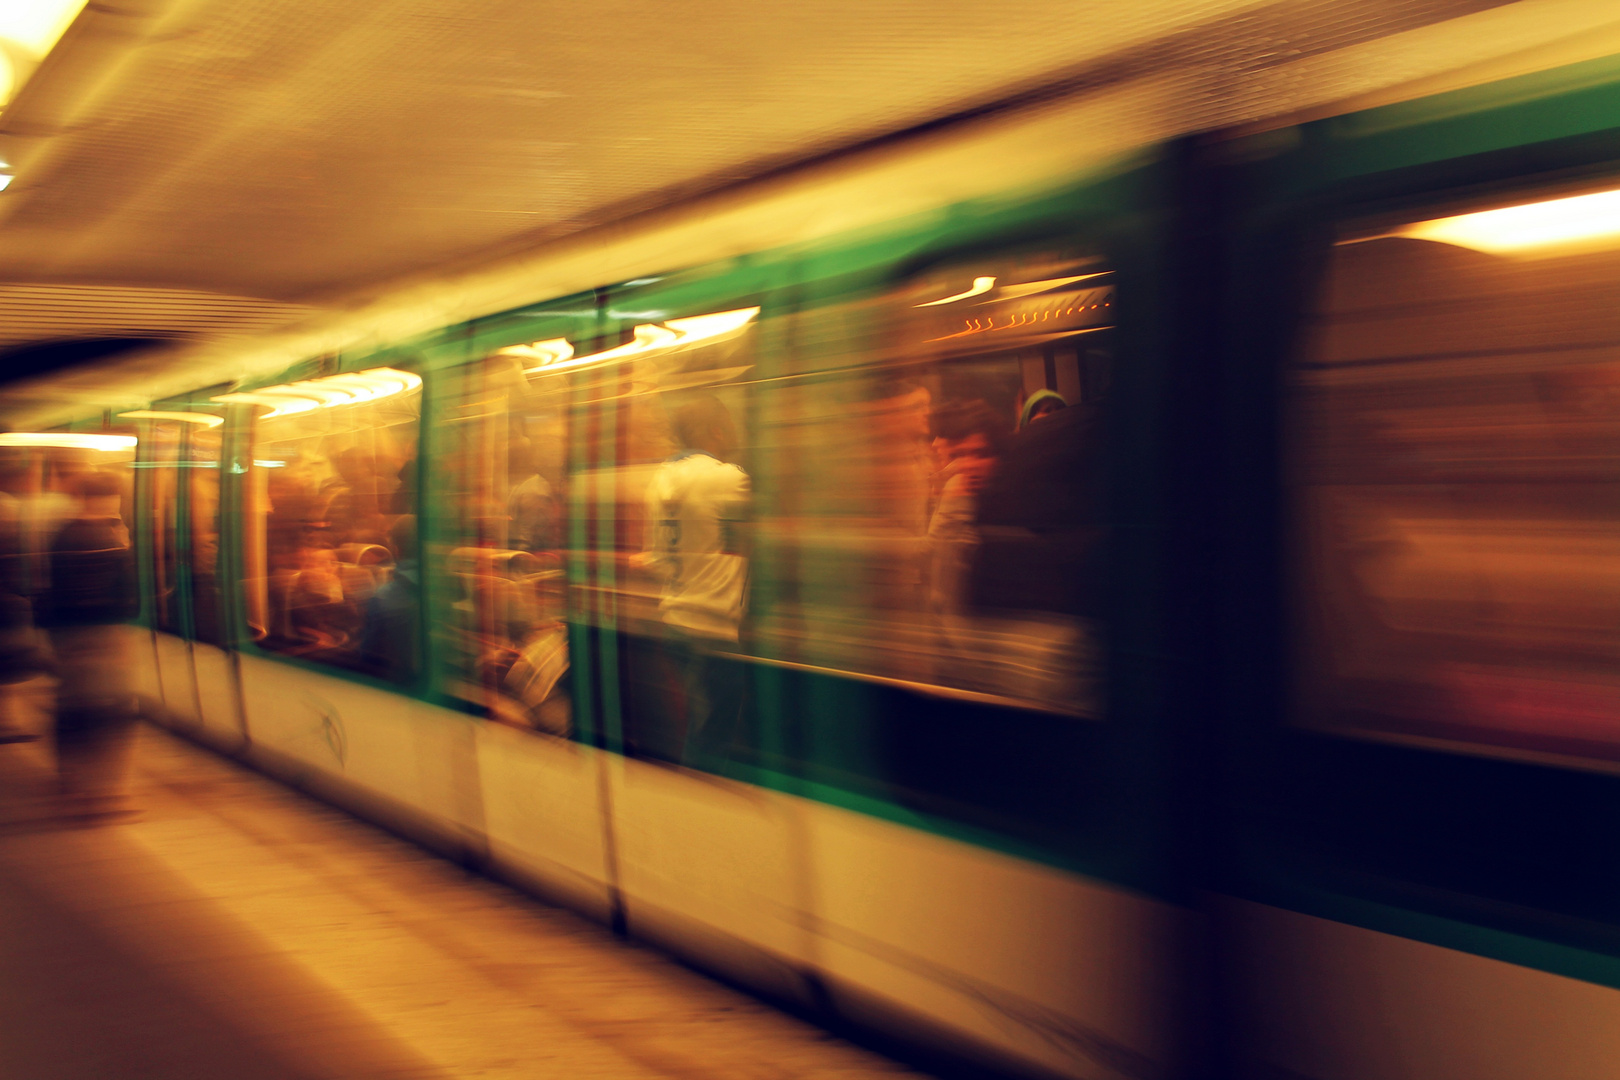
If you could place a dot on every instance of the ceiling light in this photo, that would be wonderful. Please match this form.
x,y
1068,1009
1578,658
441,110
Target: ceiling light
x,y
650,337
540,353
1014,292
72,440
206,419
350,388
37,24
1579,220
980,285
28,30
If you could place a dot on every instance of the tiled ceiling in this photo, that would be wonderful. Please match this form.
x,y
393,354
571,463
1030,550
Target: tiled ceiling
x,y
273,155
287,149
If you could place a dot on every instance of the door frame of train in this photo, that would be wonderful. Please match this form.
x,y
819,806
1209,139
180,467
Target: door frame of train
x,y
1291,185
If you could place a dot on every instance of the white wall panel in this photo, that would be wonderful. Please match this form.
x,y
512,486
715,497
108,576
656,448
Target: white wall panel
x,y
542,811
386,744
709,850
179,684
216,690
1061,970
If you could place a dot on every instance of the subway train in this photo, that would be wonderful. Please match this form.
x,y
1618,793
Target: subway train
x,y
722,575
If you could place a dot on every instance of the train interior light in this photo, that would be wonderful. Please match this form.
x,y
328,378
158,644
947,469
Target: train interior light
x,y
68,440
1547,227
325,393
651,337
205,419
981,285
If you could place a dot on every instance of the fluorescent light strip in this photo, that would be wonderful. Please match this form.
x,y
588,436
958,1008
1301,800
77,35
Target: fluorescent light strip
x,y
70,440
551,351
205,419
1549,224
981,285
350,388
651,337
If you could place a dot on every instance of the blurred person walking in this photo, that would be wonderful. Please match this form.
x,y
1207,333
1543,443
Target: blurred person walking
x,y
89,592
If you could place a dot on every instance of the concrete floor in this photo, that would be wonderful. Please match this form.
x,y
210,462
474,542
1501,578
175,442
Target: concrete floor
x,y
236,929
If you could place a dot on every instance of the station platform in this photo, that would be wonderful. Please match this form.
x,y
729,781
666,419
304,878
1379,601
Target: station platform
x,y
235,928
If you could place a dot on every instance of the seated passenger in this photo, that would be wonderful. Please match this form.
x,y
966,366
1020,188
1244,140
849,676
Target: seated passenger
x,y
1040,404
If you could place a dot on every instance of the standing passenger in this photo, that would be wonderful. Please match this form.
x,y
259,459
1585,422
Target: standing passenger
x,y
90,591
695,506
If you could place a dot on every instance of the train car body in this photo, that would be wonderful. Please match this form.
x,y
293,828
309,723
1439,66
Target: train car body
x,y
1420,752
1252,716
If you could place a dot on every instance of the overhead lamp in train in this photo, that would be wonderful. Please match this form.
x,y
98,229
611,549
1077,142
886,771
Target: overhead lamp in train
x,y
5,180
981,285
1547,227
350,388
540,354
1032,288
68,440
205,419
652,337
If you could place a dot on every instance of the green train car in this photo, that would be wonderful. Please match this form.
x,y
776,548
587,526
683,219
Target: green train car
x,y
1256,714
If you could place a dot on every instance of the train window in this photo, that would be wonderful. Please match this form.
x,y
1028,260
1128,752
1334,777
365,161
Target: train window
x,y
682,560
331,551
506,641
1456,435
934,508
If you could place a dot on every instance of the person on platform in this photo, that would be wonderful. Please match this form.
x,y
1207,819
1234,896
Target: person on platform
x,y
89,592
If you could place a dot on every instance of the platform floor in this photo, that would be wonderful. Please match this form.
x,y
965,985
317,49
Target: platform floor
x,y
238,930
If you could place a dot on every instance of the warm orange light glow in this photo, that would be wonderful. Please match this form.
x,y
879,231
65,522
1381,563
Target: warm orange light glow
x,y
1030,288
350,388
540,353
981,285
206,419
651,337
72,440
1544,227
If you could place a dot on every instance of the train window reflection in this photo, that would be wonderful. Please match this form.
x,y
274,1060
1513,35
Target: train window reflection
x,y
331,547
934,509
506,641
1457,423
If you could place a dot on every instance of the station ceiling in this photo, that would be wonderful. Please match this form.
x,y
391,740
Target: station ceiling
x,y
208,167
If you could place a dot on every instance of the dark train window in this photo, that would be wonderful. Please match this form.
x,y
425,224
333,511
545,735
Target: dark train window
x,y
1456,447
330,545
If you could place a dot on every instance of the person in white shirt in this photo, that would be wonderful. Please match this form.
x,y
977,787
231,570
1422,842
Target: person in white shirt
x,y
696,504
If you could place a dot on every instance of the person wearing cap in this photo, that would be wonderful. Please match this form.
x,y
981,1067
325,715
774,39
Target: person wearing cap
x,y
1040,403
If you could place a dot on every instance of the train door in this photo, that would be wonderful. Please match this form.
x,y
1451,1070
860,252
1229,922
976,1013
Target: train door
x,y
213,666
181,455
510,643
163,452
703,854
